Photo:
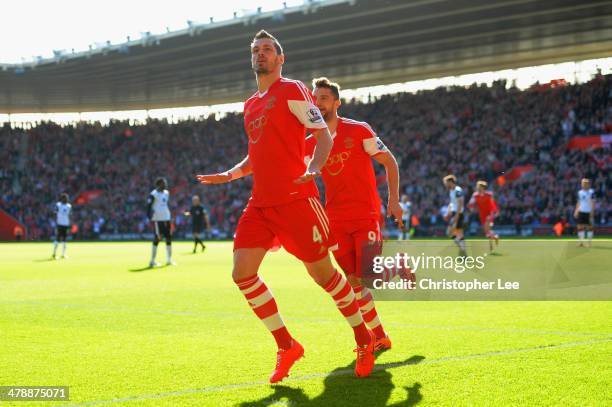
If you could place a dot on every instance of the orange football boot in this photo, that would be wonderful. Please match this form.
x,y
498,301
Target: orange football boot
x,y
285,358
382,343
365,358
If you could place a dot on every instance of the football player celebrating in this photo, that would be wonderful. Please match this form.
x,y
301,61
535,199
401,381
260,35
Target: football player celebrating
x,y
351,197
284,206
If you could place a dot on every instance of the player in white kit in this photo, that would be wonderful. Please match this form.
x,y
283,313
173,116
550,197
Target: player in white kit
x,y
406,206
585,212
62,224
454,214
159,213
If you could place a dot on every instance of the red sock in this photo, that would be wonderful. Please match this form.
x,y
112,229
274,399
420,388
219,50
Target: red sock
x,y
368,310
344,297
262,302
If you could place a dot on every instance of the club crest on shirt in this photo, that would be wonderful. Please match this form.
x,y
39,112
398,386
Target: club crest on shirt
x,y
270,102
349,142
335,163
314,115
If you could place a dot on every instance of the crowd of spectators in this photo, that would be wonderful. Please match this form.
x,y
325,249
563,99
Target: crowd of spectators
x,y
479,132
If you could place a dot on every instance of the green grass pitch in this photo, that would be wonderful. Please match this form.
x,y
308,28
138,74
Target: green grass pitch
x,y
119,334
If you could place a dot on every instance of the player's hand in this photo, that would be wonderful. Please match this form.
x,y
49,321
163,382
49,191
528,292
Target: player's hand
x,y
309,175
446,217
394,209
219,178
576,214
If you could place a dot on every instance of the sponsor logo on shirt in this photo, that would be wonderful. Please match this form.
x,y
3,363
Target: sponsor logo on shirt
x,y
255,128
335,163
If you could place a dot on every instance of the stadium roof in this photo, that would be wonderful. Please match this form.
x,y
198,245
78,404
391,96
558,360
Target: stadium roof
x,y
357,43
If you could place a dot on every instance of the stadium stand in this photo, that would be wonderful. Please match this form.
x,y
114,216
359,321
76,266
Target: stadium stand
x,y
476,132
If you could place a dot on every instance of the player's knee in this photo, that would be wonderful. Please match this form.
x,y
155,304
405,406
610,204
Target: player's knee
x,y
353,280
240,273
242,270
321,271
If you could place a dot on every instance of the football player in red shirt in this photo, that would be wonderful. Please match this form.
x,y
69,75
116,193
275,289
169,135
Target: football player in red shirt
x,y
487,210
351,196
284,207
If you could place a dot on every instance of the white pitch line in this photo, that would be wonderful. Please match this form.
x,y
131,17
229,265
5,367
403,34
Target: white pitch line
x,y
385,366
238,315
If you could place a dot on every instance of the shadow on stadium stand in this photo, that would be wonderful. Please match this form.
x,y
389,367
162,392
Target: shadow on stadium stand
x,y
342,388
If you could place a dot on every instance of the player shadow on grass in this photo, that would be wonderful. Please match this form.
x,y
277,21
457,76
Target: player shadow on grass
x,y
342,388
146,268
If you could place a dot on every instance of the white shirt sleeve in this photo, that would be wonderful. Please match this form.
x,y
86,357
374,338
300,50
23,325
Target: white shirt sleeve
x,y
307,113
374,146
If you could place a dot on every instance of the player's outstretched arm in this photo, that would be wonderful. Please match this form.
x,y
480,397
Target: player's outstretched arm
x,y
319,156
387,159
150,207
576,210
242,169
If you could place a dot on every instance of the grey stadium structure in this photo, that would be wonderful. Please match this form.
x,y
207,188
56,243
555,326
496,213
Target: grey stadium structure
x,y
357,42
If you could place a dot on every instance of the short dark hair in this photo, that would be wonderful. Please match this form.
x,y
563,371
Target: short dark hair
x,y
323,82
161,179
264,34
64,196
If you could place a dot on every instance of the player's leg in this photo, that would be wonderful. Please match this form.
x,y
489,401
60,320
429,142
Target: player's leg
x,y
486,228
309,239
200,241
196,240
167,234
64,237
589,233
55,242
338,287
252,240
367,243
257,294
581,234
459,237
156,239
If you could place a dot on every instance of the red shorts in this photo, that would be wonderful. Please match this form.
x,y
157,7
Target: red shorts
x,y
486,218
352,236
301,227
